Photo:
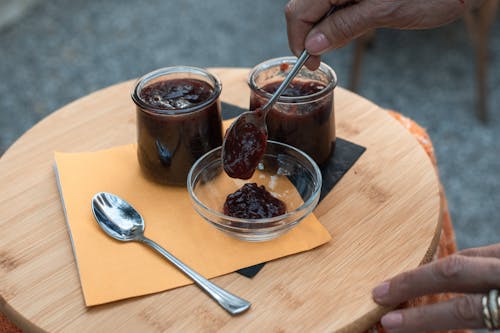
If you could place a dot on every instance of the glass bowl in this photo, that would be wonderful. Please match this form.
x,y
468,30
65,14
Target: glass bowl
x,y
286,172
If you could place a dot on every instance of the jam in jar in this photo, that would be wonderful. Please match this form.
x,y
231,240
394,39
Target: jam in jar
x,y
178,120
303,116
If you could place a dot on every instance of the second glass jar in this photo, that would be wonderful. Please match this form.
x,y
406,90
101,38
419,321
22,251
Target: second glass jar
x,y
303,116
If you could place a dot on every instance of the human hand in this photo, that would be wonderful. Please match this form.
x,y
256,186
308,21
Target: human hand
x,y
473,272
359,16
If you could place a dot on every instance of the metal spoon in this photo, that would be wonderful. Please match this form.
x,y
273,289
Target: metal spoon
x,y
245,140
122,222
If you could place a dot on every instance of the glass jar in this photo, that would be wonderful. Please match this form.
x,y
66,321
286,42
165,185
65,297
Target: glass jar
x,y
303,116
178,120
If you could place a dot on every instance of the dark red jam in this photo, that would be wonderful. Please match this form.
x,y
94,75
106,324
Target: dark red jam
x,y
176,94
309,126
253,202
170,139
244,146
284,67
296,88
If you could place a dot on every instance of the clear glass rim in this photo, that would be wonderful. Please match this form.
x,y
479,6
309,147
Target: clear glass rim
x,y
143,80
276,62
302,208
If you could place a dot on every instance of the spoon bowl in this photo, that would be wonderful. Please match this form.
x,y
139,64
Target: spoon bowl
x,y
117,218
122,222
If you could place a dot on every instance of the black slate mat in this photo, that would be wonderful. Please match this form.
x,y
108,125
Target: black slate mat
x,y
230,111
346,154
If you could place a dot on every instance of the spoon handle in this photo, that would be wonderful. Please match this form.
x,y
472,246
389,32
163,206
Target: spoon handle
x,y
290,76
231,303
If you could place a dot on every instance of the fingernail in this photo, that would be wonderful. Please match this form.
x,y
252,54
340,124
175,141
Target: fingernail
x,y
392,320
380,291
317,43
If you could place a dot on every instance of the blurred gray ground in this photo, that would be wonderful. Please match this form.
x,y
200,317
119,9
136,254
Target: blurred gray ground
x,y
61,50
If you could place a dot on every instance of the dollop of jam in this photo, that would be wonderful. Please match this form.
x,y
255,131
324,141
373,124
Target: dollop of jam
x,y
174,94
253,202
284,67
243,148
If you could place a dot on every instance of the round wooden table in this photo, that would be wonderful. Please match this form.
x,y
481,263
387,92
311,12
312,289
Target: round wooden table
x,y
384,217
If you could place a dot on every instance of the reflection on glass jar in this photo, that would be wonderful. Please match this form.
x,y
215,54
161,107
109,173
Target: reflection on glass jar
x,y
303,116
178,120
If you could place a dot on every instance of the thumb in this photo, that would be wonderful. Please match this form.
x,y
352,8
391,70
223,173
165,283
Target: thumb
x,y
340,28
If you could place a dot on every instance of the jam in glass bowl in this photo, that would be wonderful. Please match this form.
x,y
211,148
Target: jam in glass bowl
x,y
283,190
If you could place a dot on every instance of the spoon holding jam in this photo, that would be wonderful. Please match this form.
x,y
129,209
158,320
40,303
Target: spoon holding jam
x,y
245,140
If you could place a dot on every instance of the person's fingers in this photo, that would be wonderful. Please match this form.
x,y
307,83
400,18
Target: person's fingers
x,y
313,62
302,15
492,251
464,312
341,27
455,273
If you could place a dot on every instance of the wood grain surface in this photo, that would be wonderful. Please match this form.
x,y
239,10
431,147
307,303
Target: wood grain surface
x,y
384,217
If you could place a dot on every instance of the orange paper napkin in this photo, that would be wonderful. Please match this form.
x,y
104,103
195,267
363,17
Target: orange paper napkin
x,y
111,270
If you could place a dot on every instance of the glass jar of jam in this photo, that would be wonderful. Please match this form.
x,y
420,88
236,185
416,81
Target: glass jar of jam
x,y
178,120
303,116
